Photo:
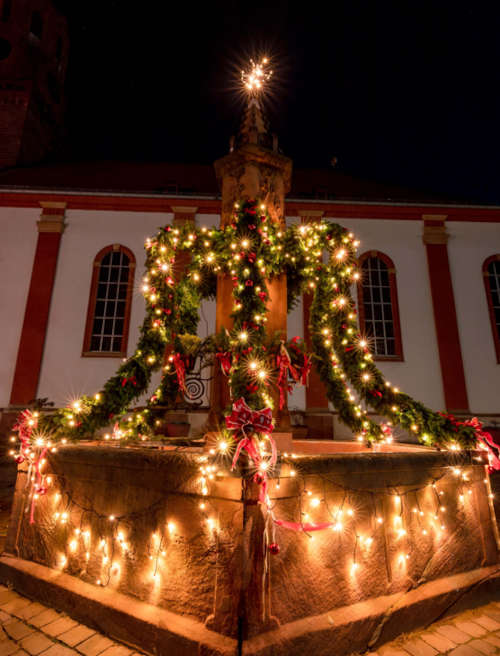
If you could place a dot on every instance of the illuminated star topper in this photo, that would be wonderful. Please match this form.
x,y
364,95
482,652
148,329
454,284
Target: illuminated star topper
x,y
254,79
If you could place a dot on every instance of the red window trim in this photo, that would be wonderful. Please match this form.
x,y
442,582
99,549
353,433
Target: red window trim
x,y
398,343
86,352
496,339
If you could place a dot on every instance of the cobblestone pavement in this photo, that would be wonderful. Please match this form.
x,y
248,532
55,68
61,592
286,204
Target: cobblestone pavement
x,y
474,633
28,627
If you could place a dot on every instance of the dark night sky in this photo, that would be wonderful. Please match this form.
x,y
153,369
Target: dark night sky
x,y
407,92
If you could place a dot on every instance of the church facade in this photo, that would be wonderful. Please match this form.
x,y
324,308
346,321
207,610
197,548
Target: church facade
x,y
71,258
72,262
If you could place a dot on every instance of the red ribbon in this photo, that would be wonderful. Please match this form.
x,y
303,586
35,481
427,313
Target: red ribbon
x,y
248,422
483,437
487,442
284,364
180,370
306,370
132,380
305,527
224,359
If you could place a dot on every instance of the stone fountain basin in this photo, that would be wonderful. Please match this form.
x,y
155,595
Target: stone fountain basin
x,y
206,595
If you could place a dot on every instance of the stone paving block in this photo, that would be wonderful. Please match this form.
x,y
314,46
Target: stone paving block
x,y
95,645
418,647
20,652
59,626
17,630
76,635
8,595
440,642
30,611
36,643
452,633
59,650
121,650
464,650
386,650
493,639
473,629
483,646
15,604
7,647
45,617
489,623
492,612
4,617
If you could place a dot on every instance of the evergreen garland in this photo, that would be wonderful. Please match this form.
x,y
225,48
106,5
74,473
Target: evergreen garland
x,y
252,250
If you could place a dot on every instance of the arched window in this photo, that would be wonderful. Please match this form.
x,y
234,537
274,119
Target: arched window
x,y
491,273
378,306
108,315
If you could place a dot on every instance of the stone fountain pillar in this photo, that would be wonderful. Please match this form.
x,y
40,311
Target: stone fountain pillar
x,y
253,169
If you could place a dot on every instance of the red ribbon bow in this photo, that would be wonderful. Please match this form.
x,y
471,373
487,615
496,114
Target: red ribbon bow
x,y
245,419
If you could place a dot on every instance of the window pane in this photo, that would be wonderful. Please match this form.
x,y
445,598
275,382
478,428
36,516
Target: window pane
x,y
377,305
109,311
97,327
494,285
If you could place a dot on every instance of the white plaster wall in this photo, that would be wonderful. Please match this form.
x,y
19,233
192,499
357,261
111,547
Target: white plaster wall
x,y
65,375
18,238
468,247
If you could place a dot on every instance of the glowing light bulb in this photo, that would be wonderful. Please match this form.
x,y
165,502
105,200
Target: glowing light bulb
x,y
254,79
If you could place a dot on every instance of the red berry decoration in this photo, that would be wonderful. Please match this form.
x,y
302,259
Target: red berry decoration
x,y
19,459
258,478
274,548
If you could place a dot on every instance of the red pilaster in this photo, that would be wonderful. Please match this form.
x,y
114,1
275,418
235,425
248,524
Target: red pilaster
x,y
36,315
435,239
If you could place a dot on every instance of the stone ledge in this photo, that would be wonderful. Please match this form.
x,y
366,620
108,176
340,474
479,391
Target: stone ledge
x,y
161,632
351,628
131,621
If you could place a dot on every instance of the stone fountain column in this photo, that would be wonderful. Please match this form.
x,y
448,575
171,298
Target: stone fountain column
x,y
254,169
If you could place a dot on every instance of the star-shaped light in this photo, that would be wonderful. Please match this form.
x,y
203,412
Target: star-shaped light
x,y
254,79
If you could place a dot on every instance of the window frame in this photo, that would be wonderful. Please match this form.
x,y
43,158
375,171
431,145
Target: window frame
x,y
489,300
86,352
391,270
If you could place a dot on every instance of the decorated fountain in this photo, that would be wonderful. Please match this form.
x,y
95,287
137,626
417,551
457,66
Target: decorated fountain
x,y
246,541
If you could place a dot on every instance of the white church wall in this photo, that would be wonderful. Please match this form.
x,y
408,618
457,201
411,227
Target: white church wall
x,y
17,249
468,247
65,373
